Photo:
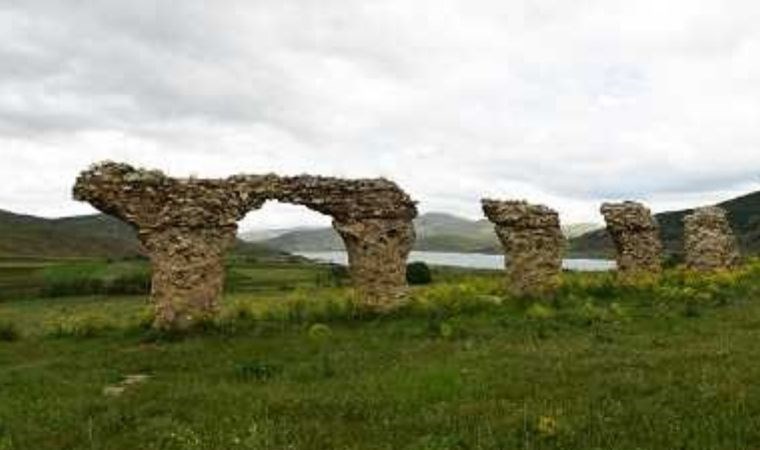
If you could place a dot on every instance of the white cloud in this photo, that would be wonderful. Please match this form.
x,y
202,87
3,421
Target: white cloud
x,y
567,103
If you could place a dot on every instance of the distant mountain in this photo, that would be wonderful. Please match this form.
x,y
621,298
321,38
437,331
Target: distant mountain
x,y
311,240
438,232
94,235
743,212
98,236
265,235
572,231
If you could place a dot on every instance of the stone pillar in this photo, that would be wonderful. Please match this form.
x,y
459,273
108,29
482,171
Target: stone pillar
x,y
188,273
533,244
377,253
374,218
636,236
185,226
709,242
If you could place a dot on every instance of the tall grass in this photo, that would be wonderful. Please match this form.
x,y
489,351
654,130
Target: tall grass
x,y
96,278
656,363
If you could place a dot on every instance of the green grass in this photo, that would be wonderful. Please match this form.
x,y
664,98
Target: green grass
x,y
28,278
651,365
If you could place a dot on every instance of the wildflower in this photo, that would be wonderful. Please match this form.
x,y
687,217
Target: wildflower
x,y
547,426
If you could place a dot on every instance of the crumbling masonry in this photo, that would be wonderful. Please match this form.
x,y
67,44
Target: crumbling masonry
x,y
533,244
187,225
374,218
636,236
709,242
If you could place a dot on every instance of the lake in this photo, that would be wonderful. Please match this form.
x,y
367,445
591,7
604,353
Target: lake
x,y
471,260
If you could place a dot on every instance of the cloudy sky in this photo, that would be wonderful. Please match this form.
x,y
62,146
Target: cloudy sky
x,y
567,103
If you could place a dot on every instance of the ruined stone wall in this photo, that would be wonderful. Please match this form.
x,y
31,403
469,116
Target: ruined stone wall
x,y
636,236
374,219
533,243
709,242
187,225
347,200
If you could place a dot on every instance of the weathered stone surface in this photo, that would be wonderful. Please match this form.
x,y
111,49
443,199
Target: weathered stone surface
x,y
636,236
533,242
377,253
187,225
709,242
374,219
347,200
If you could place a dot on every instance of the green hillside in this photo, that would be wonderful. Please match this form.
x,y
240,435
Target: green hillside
x,y
92,236
84,236
743,212
437,232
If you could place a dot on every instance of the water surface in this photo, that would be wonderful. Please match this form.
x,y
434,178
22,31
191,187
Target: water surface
x,y
469,260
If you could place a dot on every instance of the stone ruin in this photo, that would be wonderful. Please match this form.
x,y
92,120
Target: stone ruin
x,y
533,244
187,225
636,236
374,218
709,242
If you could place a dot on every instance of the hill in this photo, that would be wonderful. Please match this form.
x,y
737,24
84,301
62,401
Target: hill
x,y
743,212
438,232
91,236
435,232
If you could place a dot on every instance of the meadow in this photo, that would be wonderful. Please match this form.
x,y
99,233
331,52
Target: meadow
x,y
291,363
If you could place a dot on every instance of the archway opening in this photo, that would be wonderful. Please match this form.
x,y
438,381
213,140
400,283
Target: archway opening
x,y
287,247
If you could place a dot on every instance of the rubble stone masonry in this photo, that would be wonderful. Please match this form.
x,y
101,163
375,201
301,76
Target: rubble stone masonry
x,y
533,244
709,242
186,226
636,236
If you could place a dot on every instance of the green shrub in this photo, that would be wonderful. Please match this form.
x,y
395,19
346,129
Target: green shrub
x,y
444,300
338,275
418,273
591,314
136,283
320,333
96,278
82,326
9,332
540,312
256,370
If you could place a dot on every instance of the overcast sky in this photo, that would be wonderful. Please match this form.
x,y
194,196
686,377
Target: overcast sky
x,y
567,103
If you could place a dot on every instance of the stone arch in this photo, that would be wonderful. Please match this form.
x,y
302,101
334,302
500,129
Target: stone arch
x,y
186,226
374,219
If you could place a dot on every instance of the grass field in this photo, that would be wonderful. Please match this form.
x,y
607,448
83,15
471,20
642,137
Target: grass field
x,y
671,364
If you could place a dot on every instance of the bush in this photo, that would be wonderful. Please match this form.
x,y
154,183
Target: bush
x,y
338,274
447,300
96,278
540,312
137,283
9,332
82,326
256,370
418,273
320,333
